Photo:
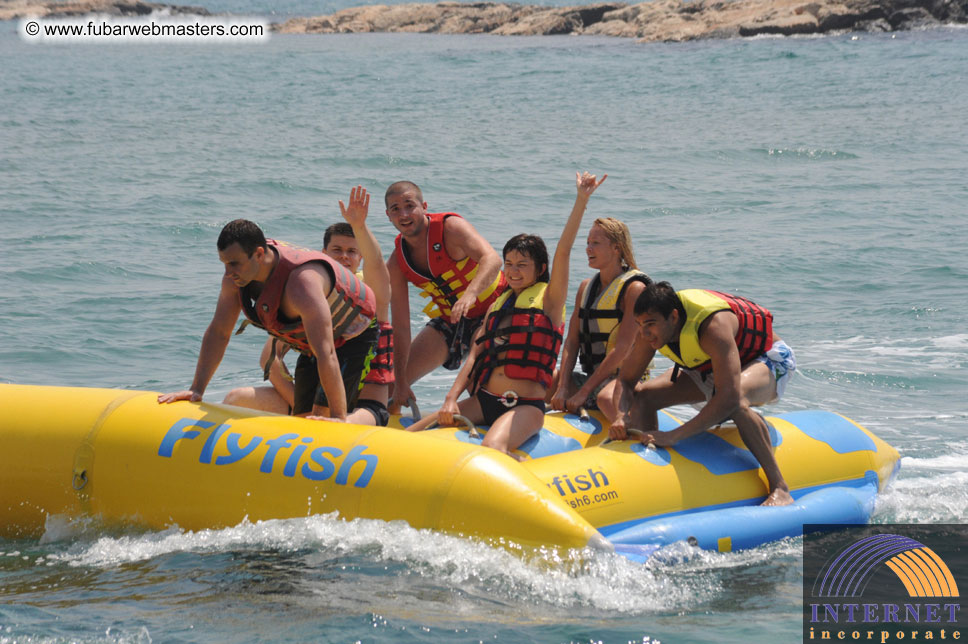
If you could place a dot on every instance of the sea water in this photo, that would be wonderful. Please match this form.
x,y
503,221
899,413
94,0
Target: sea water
x,y
821,177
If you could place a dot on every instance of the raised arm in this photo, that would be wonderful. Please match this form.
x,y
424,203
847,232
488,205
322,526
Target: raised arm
x,y
557,290
569,354
214,341
400,310
462,239
375,272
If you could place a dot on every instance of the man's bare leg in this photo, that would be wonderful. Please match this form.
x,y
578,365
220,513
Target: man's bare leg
x,y
658,393
756,435
428,351
758,387
259,398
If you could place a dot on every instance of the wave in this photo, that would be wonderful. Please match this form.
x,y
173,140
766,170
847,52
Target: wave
x,y
929,489
820,154
926,499
677,577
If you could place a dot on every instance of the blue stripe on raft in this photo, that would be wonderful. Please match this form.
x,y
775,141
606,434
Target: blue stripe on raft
x,y
750,526
869,479
666,422
719,456
590,425
546,443
658,456
833,429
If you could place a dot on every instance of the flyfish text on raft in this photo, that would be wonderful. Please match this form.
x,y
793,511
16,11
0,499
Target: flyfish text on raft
x,y
321,462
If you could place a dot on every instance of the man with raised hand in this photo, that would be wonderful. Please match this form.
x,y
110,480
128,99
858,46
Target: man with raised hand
x,y
371,407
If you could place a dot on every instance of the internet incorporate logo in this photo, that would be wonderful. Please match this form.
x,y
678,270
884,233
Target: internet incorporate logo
x,y
922,572
868,584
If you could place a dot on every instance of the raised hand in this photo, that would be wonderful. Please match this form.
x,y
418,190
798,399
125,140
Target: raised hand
x,y
587,184
359,207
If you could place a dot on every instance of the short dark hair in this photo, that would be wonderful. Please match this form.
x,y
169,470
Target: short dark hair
x,y
532,246
661,298
244,233
402,186
340,228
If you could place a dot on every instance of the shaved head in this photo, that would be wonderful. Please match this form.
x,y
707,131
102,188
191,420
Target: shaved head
x,y
402,186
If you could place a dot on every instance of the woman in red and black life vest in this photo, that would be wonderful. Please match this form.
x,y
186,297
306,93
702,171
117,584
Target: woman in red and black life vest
x,y
602,326
349,243
511,364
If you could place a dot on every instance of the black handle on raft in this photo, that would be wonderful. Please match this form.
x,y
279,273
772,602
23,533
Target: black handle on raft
x,y
471,427
631,431
414,410
466,422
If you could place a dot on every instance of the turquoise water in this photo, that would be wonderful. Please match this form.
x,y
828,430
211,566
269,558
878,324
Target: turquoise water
x,y
823,178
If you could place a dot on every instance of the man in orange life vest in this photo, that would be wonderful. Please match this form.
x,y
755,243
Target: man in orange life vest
x,y
304,298
725,347
444,256
349,244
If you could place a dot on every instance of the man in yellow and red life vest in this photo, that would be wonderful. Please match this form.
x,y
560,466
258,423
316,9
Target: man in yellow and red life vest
x,y
453,265
725,347
303,298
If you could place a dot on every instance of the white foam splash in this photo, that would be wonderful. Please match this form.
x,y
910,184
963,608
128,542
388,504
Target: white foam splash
x,y
111,636
957,341
932,498
948,462
585,578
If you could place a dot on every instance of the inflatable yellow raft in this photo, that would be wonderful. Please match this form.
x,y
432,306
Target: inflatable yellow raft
x,y
119,456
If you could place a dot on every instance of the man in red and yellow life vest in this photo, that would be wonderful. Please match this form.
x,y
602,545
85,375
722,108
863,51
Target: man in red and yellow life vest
x,y
453,265
304,298
732,360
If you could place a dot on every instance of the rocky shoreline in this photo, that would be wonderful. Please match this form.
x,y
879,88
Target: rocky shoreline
x,y
659,20
14,9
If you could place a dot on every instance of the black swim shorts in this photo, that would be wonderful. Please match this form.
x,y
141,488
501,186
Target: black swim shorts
x,y
457,336
354,363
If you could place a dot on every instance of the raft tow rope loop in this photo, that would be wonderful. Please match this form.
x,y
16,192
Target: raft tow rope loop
x,y
471,427
415,411
79,476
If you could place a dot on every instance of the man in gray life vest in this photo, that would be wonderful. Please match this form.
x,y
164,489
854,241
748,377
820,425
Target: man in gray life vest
x,y
301,297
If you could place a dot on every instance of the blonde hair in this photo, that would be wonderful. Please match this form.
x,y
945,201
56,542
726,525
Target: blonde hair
x,y
618,233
